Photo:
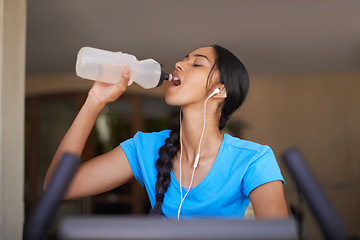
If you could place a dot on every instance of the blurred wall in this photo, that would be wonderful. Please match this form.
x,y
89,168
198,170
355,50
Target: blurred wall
x,y
12,85
319,113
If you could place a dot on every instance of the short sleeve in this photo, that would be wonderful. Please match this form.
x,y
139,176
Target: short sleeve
x,y
263,169
129,148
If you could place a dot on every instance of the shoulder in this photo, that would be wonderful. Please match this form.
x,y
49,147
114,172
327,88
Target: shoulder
x,y
247,151
152,135
151,138
237,144
146,140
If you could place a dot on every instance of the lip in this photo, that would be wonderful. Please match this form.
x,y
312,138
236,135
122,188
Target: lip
x,y
170,86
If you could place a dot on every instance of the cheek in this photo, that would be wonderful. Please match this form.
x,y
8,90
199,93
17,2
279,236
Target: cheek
x,y
197,82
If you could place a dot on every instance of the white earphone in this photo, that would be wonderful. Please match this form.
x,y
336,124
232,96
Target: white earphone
x,y
197,158
216,90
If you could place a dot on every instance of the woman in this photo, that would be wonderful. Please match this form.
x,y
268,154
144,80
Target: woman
x,y
195,170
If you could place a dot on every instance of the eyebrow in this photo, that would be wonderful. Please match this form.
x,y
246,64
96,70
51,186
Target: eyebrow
x,y
198,55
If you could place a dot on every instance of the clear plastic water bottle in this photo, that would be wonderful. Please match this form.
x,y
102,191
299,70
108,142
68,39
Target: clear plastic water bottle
x,y
106,66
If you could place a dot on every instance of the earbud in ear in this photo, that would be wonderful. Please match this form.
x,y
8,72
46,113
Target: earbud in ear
x,y
217,90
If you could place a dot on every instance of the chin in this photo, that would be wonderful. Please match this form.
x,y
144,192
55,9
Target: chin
x,y
169,102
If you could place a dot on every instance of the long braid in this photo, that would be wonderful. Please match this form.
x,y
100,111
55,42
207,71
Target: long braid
x,y
164,166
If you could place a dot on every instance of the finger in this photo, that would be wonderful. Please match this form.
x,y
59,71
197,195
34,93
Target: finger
x,y
125,76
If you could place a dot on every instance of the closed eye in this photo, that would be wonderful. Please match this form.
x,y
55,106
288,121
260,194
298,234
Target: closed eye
x,y
197,65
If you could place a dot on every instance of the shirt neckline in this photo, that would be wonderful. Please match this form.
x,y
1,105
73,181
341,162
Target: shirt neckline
x,y
208,175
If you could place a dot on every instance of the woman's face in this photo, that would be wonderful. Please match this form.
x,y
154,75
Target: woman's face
x,y
193,72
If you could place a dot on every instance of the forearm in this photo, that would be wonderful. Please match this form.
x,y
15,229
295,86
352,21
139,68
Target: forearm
x,y
99,95
76,137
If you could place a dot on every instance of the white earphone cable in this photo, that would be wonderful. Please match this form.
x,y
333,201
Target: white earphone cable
x,y
202,135
196,159
181,151
187,192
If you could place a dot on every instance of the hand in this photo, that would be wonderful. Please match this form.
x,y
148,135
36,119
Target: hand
x,y
103,93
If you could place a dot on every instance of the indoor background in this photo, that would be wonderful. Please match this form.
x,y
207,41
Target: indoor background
x,y
303,58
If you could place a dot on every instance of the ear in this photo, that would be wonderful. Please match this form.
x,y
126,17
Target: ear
x,y
222,93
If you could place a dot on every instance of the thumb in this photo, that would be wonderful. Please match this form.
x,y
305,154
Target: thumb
x,y
125,78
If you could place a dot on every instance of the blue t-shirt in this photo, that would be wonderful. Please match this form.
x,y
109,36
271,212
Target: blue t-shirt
x,y
240,167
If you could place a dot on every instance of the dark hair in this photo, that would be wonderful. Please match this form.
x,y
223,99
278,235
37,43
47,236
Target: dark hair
x,y
235,78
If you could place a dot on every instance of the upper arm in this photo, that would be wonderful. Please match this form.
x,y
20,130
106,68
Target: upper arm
x,y
100,174
268,200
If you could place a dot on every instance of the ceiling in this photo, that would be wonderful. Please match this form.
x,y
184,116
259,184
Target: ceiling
x,y
268,36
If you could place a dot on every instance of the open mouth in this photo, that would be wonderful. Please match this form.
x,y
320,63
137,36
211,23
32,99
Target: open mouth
x,y
177,81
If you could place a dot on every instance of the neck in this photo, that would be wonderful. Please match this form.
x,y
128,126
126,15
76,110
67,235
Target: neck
x,y
192,130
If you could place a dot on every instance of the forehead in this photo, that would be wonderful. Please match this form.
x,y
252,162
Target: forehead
x,y
206,51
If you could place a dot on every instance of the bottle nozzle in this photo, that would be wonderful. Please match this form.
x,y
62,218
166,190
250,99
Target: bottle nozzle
x,y
167,77
164,76
170,77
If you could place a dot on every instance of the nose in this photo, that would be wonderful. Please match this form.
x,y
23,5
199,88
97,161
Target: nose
x,y
179,66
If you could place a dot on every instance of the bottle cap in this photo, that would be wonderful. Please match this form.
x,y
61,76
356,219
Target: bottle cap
x,y
163,76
